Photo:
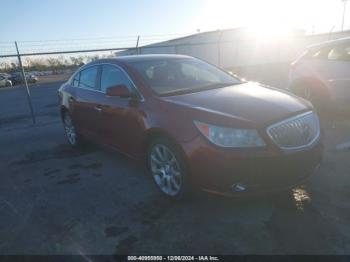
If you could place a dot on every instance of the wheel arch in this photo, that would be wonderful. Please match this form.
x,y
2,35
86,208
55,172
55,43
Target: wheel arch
x,y
154,133
63,110
314,82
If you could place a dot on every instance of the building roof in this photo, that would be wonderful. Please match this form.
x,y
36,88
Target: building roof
x,y
331,42
225,35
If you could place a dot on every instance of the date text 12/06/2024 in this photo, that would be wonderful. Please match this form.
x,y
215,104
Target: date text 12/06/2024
x,y
173,258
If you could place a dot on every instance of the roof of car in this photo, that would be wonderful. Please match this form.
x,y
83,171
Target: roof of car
x,y
330,42
136,58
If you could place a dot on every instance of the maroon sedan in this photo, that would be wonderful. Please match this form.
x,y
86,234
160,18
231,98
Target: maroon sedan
x,y
198,126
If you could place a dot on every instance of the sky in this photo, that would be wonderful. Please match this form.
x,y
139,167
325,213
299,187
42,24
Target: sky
x,y
29,20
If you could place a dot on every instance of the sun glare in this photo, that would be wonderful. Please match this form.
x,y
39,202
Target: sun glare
x,y
269,18
268,32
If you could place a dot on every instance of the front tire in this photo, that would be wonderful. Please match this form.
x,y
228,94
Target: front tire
x,y
168,169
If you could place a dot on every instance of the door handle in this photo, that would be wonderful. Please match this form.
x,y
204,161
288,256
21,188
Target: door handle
x,y
98,108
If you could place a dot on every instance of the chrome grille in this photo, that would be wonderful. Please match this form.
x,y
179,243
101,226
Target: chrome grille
x,y
296,132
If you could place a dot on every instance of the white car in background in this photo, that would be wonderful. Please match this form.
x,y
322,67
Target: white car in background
x,y
322,74
4,81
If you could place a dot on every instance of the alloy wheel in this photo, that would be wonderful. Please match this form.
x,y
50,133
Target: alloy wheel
x,y
166,170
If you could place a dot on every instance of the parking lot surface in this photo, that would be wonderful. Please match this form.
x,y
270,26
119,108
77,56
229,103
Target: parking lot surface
x,y
58,200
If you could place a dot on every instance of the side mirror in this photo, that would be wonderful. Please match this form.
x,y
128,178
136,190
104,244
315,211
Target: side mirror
x,y
119,90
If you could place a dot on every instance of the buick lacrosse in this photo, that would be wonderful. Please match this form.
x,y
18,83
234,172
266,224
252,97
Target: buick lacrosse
x,y
198,126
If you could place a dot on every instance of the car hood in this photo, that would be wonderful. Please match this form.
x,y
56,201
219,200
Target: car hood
x,y
248,102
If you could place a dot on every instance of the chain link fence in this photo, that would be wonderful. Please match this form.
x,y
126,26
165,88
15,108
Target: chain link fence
x,y
45,58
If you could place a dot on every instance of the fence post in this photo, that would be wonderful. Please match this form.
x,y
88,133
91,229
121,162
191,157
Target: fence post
x,y
26,84
137,45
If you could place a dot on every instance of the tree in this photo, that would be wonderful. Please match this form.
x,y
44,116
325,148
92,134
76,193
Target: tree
x,y
77,61
14,66
5,66
93,58
27,62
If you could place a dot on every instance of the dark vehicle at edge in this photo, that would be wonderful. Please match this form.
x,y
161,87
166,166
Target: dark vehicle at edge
x,y
197,126
17,78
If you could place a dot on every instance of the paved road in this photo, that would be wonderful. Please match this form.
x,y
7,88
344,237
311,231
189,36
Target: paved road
x,y
14,104
58,200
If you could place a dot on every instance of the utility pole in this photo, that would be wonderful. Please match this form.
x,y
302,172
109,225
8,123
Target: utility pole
x,y
344,11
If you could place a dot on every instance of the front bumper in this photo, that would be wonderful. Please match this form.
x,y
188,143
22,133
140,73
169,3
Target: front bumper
x,y
215,169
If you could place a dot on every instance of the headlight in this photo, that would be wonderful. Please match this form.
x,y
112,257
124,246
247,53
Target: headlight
x,y
230,137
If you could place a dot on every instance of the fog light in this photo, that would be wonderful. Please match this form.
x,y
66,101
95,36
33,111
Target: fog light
x,y
238,187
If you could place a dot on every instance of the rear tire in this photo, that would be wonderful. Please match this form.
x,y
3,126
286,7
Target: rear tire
x,y
73,137
168,168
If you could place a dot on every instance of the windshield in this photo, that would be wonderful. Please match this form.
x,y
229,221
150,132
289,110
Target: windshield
x,y
171,76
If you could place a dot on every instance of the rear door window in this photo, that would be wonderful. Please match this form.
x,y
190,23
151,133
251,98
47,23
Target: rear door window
x,y
88,78
75,81
320,54
340,53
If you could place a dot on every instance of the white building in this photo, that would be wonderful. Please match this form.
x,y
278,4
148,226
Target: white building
x,y
249,56
237,47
